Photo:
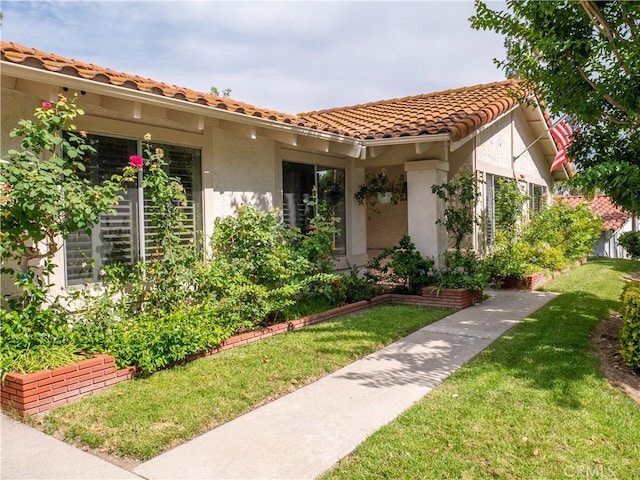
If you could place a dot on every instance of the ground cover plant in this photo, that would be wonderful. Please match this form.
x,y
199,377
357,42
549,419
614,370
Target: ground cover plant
x,y
141,418
533,405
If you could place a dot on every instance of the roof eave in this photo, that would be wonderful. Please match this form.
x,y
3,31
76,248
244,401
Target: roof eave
x,y
124,93
410,139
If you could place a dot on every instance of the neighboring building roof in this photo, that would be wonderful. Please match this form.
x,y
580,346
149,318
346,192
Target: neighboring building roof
x,y
458,112
613,216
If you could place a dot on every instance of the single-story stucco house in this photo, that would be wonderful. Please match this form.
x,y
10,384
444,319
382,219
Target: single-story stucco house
x,y
615,222
229,153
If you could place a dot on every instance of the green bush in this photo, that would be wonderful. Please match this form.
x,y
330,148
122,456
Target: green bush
x,y
506,258
630,333
630,241
152,342
30,324
542,256
258,244
463,270
357,288
402,265
573,230
254,278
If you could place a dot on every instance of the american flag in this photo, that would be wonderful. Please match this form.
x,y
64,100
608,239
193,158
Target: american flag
x,y
561,133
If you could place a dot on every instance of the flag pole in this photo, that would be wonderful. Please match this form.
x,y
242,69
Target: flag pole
x,y
539,137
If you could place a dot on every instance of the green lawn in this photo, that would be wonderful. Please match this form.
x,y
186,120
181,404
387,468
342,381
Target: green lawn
x,y
535,405
142,418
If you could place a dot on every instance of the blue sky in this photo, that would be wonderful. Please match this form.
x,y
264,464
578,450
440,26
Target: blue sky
x,y
291,56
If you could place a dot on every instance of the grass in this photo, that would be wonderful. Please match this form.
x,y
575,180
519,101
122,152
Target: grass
x,y
144,417
535,405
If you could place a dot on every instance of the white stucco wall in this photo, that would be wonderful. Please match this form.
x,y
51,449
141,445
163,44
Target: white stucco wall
x,y
607,245
237,167
243,171
508,137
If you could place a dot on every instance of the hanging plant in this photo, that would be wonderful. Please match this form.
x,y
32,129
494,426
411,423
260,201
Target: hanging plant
x,y
379,188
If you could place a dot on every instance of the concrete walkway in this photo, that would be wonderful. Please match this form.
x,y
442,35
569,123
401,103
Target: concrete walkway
x,y
303,434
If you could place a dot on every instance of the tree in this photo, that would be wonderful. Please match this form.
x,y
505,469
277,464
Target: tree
x,y
582,59
460,198
224,93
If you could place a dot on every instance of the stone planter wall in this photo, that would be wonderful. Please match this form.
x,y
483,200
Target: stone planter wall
x,y
42,391
456,298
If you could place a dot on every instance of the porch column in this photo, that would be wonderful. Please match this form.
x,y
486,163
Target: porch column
x,y
424,207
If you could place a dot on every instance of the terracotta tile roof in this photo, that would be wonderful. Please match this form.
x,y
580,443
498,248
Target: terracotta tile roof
x,y
614,217
458,112
31,57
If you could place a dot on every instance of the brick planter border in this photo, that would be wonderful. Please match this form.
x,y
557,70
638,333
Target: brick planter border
x,y
48,389
41,391
456,298
533,281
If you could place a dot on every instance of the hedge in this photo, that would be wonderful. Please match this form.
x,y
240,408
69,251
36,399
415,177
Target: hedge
x,y
630,333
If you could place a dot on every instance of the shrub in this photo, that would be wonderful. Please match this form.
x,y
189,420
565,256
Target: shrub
x,y
460,198
463,270
506,259
358,288
45,191
542,256
32,322
630,241
630,333
509,200
152,342
573,230
403,265
258,244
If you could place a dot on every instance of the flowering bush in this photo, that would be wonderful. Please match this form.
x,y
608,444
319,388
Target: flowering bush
x,y
173,304
463,270
402,265
45,192
573,230
45,196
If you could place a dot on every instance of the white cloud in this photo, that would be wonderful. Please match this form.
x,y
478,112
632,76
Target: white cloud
x,y
288,56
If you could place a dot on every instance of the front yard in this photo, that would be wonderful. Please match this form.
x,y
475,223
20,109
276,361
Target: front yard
x,y
534,405
141,418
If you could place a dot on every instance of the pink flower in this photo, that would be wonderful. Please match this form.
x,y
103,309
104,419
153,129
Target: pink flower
x,y
136,161
46,105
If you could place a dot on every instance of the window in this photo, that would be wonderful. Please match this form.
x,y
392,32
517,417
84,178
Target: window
x,y
298,182
492,185
117,237
537,197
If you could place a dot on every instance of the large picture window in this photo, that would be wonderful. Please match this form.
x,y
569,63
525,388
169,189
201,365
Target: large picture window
x,y
299,181
117,237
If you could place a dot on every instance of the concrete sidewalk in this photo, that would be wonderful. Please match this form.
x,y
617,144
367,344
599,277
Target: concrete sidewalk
x,y
303,434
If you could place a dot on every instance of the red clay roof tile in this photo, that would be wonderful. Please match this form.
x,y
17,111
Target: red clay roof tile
x,y
458,112
613,216
14,53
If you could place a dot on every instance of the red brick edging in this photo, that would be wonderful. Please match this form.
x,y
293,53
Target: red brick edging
x,y
42,391
456,298
27,394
